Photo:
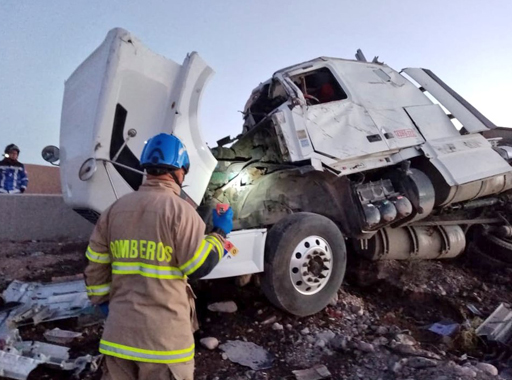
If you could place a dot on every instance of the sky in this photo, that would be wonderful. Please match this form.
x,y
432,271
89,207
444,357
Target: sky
x,y
467,43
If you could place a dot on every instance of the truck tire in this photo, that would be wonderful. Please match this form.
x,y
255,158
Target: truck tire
x,y
500,249
305,262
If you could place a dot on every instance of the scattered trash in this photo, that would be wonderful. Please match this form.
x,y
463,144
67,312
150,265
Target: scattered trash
x,y
20,358
498,326
444,328
315,373
247,354
41,303
223,307
61,336
474,309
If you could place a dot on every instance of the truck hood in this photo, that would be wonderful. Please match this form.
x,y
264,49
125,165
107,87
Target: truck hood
x,y
118,98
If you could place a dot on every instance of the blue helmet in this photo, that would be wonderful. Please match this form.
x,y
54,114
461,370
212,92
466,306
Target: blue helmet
x,y
165,151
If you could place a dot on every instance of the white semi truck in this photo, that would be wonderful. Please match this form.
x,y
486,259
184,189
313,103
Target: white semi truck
x,y
333,153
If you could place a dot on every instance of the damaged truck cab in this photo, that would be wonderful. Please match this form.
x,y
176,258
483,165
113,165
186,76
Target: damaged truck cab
x,y
332,152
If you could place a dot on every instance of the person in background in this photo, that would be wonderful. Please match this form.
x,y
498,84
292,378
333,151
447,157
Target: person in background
x,y
141,252
13,176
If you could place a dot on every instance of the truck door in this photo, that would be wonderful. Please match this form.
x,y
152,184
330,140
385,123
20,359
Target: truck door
x,y
337,126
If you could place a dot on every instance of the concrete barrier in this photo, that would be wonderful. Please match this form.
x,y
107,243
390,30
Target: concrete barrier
x,y
40,217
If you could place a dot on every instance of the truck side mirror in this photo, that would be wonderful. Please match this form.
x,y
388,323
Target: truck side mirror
x,y
51,154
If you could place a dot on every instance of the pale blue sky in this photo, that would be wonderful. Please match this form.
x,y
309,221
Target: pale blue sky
x,y
468,43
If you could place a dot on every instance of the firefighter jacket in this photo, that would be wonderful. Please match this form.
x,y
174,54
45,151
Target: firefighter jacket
x,y
13,177
140,254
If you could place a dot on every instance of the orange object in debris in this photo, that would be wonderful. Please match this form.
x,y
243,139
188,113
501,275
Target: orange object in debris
x,y
222,208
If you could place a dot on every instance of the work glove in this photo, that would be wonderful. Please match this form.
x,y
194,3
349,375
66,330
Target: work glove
x,y
104,308
223,221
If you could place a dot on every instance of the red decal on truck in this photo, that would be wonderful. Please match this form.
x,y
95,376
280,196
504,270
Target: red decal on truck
x,y
405,133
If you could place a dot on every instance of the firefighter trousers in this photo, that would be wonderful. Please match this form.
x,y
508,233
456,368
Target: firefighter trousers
x,y
121,369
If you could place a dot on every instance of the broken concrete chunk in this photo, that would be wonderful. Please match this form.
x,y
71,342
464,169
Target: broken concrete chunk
x,y
317,372
61,336
487,368
210,343
223,307
247,354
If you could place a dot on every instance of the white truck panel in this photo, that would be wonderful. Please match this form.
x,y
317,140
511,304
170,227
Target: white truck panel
x,y
470,118
249,259
432,121
152,92
464,159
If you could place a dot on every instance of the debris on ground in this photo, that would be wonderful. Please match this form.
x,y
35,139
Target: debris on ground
x,y
498,327
61,336
210,343
317,372
377,331
223,307
247,354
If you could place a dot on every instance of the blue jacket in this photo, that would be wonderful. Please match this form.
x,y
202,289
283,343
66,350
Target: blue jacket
x,y
13,177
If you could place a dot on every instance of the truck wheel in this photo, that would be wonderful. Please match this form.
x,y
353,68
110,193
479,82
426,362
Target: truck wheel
x,y
496,247
305,261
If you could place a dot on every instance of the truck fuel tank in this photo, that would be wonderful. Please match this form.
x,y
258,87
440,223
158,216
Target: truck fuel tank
x,y
413,243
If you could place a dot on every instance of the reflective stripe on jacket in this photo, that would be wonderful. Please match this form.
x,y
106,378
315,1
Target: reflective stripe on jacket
x,y
140,254
13,176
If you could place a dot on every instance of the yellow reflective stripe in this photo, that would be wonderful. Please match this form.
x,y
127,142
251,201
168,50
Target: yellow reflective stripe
x,y
150,356
147,270
218,245
98,290
198,259
101,258
194,258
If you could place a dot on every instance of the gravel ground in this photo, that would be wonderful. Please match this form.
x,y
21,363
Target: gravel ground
x,y
377,327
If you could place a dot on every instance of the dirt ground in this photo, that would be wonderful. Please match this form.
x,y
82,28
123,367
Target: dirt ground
x,y
376,329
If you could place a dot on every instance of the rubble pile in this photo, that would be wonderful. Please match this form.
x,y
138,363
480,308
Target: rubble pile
x,y
424,321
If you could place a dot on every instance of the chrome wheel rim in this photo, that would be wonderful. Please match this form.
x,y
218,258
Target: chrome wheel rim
x,y
311,265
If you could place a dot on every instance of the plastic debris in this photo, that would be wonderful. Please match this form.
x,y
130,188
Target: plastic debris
x,y
474,309
61,336
317,372
247,354
498,326
20,358
35,302
444,328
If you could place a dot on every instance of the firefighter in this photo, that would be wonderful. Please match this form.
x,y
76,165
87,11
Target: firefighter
x,y
140,254
13,176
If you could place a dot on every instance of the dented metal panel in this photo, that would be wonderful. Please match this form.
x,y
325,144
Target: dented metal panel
x,y
46,302
396,127
123,86
15,366
498,326
343,130
432,122
472,120
464,159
